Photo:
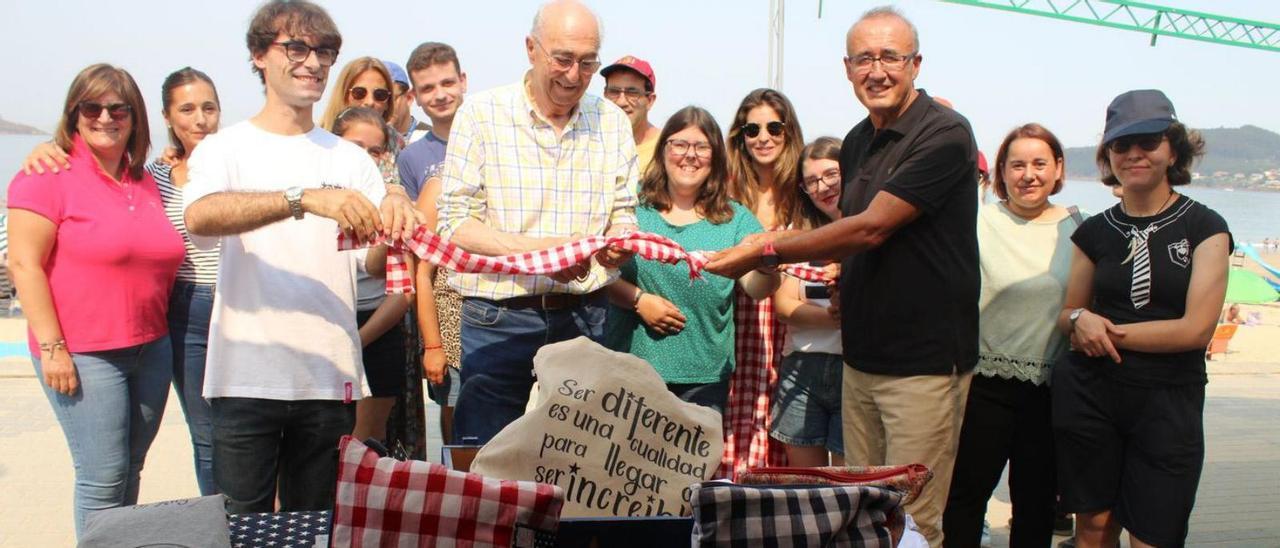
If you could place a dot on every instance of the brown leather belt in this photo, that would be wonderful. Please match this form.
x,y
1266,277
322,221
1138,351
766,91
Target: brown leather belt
x,y
551,301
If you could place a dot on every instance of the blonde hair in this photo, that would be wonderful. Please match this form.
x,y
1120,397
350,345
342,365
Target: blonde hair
x,y
93,82
353,70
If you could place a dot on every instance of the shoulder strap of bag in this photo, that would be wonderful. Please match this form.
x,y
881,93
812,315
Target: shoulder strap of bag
x,y
1075,215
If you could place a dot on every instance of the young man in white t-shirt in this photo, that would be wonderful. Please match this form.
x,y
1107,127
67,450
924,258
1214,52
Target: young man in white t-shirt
x,y
284,355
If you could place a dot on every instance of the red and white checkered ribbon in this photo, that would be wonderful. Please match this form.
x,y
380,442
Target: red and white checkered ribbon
x,y
430,247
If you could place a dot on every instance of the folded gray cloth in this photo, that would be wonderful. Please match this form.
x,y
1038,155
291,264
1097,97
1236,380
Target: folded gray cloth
x,y
189,523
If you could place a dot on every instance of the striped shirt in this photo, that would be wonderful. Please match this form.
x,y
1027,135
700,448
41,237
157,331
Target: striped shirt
x,y
200,266
507,167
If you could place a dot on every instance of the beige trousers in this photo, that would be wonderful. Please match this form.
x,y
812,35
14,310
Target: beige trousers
x,y
905,420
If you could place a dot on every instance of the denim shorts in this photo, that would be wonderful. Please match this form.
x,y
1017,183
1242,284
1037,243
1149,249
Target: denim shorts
x,y
806,404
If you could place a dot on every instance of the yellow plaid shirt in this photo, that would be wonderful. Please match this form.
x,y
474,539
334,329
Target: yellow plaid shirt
x,y
507,167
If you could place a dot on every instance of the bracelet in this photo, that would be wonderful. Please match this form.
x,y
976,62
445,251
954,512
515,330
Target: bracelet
x,y
432,346
635,304
51,347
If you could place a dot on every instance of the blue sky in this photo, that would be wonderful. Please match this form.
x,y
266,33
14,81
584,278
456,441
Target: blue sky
x,y
1000,69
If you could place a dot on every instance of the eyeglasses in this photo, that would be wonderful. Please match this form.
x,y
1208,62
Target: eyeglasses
x,y
633,94
829,178
297,51
380,95
1146,141
117,111
679,148
564,61
889,61
753,129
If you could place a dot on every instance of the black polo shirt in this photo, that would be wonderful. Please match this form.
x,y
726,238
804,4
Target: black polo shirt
x,y
910,306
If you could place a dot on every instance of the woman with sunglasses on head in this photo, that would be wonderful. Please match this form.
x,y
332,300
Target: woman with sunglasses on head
x,y
1024,257
1148,277
380,317
806,405
685,330
764,152
191,112
100,348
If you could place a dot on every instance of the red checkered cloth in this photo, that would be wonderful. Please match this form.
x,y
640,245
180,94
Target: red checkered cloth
x,y
428,246
381,501
805,272
758,345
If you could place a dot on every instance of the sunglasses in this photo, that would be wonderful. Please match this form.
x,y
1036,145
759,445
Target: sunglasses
x,y
379,94
117,111
1146,141
753,129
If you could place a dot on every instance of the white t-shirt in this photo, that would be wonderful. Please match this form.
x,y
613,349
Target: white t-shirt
x,y
284,320
824,340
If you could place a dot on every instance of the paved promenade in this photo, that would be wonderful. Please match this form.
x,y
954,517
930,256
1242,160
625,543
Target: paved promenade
x,y
1238,506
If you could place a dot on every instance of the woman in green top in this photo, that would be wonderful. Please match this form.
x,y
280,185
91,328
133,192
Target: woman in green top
x,y
686,329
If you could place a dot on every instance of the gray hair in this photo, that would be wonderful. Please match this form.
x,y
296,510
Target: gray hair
x,y
535,30
889,11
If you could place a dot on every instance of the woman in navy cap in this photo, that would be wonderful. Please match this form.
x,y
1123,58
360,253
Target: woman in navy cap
x,y
1148,278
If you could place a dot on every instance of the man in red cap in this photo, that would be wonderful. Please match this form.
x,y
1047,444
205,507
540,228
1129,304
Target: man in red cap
x,y
629,82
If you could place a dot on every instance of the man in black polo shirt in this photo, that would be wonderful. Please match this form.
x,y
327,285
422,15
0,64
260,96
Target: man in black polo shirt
x,y
909,251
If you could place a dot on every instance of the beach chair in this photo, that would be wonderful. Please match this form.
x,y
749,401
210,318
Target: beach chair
x,y
1221,335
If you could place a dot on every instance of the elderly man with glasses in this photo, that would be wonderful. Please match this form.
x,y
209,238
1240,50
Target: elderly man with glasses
x,y
534,165
908,244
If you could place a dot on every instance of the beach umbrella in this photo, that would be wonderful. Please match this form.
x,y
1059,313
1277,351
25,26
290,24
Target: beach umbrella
x,y
1247,287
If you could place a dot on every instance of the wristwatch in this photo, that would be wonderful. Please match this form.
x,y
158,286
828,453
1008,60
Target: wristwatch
x,y
769,257
1075,315
294,195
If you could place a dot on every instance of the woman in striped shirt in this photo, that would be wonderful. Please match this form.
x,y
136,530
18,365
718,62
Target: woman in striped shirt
x,y
191,112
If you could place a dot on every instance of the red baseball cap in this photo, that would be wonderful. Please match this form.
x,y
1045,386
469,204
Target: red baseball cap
x,y
982,163
640,66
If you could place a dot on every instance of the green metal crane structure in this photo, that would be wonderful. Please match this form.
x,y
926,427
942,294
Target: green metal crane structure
x,y
1146,18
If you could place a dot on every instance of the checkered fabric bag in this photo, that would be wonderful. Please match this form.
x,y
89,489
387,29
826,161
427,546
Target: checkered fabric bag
x,y
381,501
749,516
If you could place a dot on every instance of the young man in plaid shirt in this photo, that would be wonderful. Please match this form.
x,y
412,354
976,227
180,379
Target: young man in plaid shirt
x,y
530,166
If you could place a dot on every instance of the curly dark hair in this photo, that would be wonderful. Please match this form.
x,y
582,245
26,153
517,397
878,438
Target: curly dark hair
x,y
297,18
1187,146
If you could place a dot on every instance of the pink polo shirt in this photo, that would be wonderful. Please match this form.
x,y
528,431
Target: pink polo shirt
x,y
114,256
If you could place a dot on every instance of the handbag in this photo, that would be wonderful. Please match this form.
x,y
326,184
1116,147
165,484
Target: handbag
x,y
729,514
381,501
908,479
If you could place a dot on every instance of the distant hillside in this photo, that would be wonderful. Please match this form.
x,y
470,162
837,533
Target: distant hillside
x,y
1247,150
14,128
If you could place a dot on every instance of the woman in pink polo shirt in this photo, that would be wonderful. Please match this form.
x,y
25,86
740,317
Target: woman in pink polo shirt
x,y
93,258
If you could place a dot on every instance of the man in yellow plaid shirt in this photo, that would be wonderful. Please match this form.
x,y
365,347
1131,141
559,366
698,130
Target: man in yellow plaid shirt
x,y
530,166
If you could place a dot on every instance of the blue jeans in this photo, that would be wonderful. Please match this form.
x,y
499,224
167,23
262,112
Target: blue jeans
x,y
260,444
498,344
111,420
713,395
190,306
806,407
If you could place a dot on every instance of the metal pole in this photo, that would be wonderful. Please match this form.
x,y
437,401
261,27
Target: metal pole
x,y
776,24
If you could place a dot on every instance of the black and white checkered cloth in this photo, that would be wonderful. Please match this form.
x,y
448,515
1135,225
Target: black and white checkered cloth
x,y
279,530
751,516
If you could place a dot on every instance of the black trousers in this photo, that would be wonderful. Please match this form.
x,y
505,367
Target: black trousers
x,y
1004,421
